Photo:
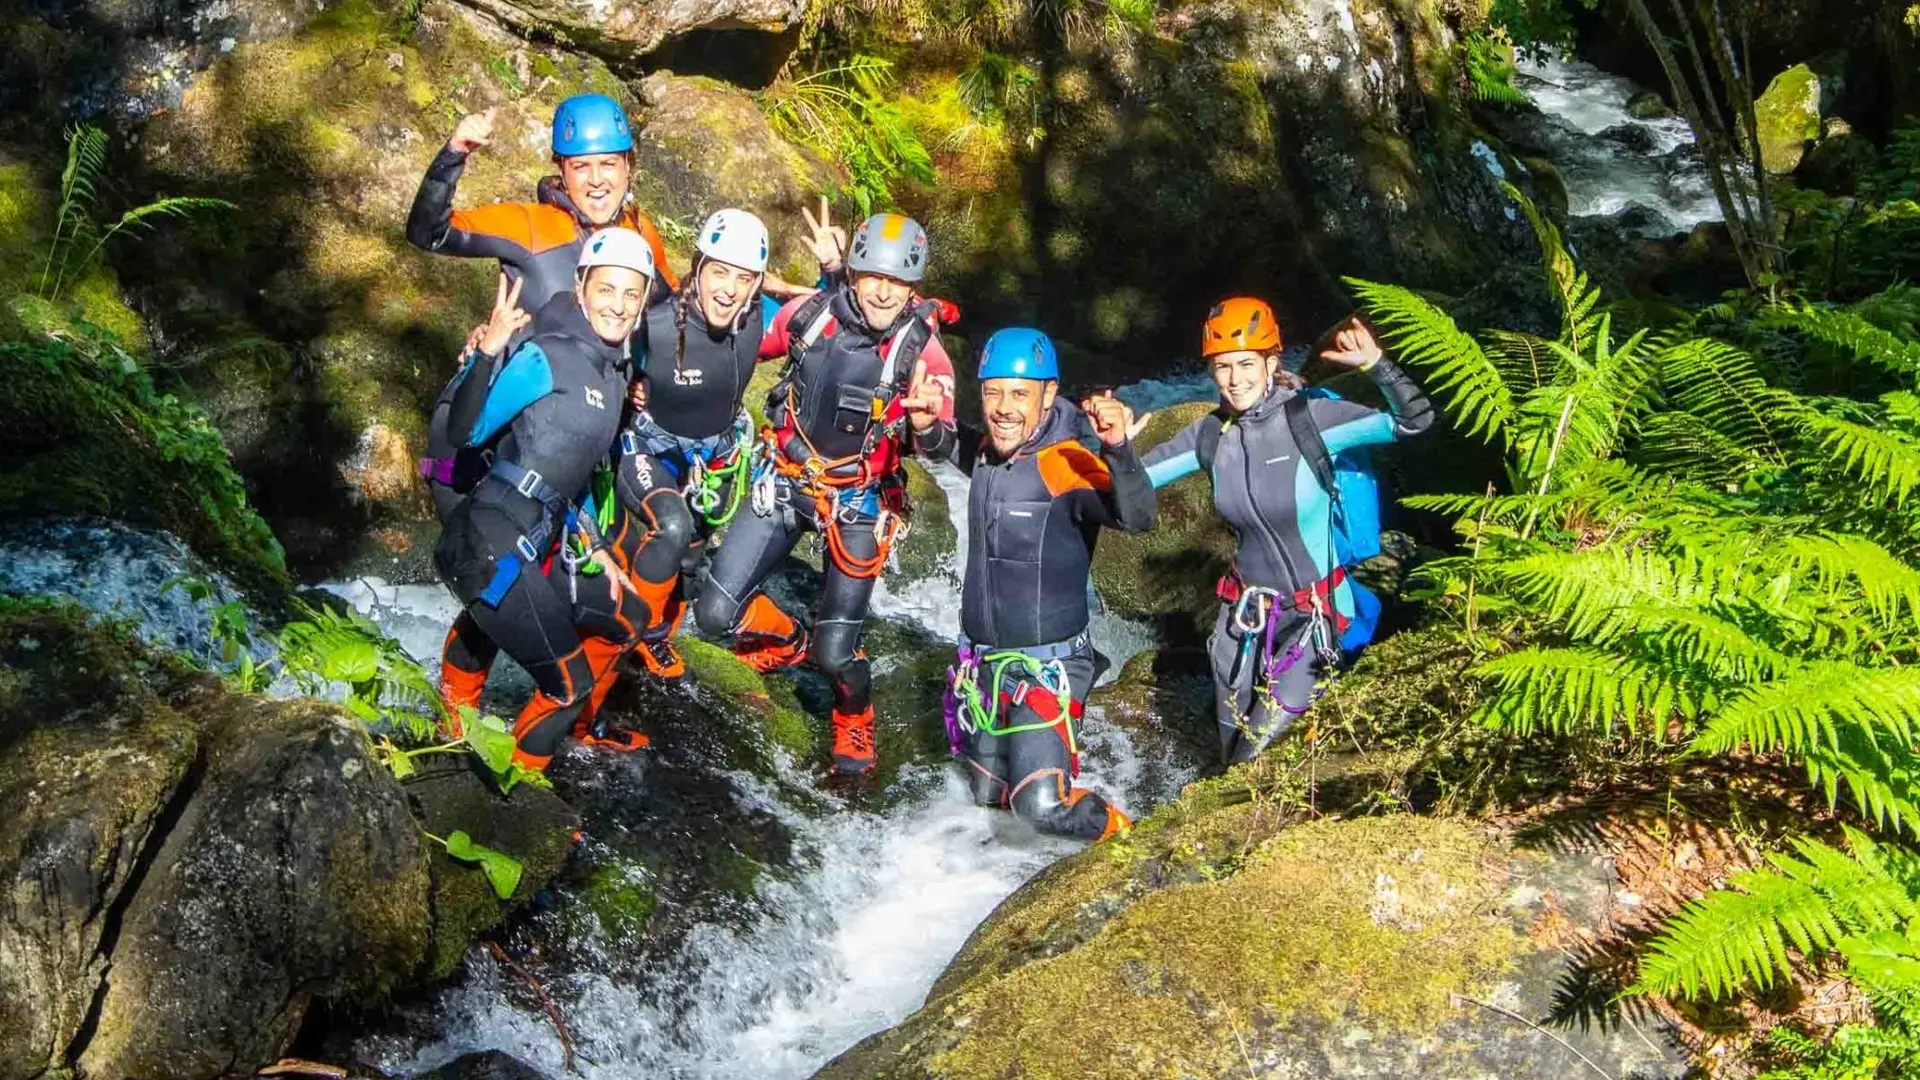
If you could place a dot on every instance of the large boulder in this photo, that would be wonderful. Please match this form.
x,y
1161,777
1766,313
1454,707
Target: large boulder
x,y
629,29
1217,940
184,871
1788,117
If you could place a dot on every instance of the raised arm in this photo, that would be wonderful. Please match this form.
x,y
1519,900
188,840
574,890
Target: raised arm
x,y
1178,456
1344,425
1127,502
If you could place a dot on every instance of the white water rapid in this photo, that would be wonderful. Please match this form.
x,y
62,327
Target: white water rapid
x,y
1611,161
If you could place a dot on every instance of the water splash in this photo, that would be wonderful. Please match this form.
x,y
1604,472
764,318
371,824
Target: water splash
x,y
120,572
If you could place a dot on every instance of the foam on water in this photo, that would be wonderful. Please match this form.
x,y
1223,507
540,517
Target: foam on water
x,y
845,949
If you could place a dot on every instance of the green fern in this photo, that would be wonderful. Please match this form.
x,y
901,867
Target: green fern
x,y
76,223
1454,367
1808,901
1848,331
843,112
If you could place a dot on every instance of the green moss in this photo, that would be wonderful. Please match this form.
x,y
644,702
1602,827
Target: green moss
x,y
27,209
1788,116
621,895
1377,921
719,671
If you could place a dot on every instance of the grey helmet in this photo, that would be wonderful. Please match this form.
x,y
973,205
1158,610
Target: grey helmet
x,y
890,244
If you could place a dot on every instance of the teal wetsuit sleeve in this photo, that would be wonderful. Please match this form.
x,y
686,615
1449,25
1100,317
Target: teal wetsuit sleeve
x,y
1345,425
526,378
1177,457
769,307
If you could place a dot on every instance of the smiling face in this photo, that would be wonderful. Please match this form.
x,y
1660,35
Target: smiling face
x,y
613,298
597,184
1243,377
1013,409
881,298
723,289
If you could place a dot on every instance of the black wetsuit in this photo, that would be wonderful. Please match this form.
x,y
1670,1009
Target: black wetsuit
x,y
554,408
832,391
1266,666
1032,523
696,382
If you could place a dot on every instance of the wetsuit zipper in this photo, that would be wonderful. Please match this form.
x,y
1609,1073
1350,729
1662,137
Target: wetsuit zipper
x,y
1253,504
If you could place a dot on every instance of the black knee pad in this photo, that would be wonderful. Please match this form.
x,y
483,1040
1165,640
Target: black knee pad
x,y
669,534
715,612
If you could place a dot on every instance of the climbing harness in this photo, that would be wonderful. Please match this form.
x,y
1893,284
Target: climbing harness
x,y
1253,611
537,544
978,691
715,465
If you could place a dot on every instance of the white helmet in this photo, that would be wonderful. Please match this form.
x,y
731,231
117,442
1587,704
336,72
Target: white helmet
x,y
736,238
617,247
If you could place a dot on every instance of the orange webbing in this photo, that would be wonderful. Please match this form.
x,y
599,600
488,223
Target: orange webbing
x,y
813,479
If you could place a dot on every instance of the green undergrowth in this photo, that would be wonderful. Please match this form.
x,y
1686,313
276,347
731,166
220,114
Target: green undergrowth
x,y
85,432
91,298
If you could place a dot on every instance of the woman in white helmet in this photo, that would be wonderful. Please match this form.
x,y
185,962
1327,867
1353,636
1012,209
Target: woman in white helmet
x,y
686,451
514,548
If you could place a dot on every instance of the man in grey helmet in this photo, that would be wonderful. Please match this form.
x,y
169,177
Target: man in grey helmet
x,y
865,373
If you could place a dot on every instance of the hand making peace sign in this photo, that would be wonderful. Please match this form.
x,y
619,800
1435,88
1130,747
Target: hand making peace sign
x,y
827,241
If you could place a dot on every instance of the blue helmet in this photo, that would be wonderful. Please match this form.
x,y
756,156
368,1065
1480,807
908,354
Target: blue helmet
x,y
590,124
1019,353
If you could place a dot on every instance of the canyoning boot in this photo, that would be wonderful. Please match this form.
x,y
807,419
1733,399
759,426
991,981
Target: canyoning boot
x,y
602,735
1117,823
853,752
590,729
768,638
662,659
459,688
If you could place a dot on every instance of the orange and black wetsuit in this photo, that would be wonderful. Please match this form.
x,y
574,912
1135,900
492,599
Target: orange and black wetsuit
x,y
535,242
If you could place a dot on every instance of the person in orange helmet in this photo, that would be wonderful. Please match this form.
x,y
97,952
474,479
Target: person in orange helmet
x,y
1268,450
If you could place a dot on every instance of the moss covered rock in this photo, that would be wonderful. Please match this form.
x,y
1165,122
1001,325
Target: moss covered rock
x,y
1167,576
1214,941
1788,117
770,701
633,28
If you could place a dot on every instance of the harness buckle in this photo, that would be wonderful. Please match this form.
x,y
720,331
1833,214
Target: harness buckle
x,y
529,484
525,547
629,443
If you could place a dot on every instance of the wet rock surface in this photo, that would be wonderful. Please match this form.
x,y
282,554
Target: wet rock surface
x,y
628,29
1213,941
188,871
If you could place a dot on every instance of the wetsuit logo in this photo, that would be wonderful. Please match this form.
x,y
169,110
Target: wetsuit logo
x,y
687,377
595,398
642,471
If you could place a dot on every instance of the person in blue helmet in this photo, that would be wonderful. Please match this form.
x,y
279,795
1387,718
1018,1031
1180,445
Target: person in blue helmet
x,y
1047,477
538,247
1286,600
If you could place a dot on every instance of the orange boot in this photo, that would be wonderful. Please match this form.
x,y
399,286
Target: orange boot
x,y
603,658
458,686
1117,823
853,742
768,638
533,726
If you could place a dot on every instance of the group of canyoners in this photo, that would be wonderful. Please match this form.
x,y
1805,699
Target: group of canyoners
x,y
596,436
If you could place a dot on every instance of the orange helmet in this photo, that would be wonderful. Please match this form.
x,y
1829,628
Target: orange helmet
x,y
1240,323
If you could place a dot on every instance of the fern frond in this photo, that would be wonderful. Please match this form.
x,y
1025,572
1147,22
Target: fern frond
x,y
1566,690
86,159
1738,936
1838,562
1594,593
1808,710
1578,301
1722,386
1879,774
1883,458
1719,647
1849,332
1456,369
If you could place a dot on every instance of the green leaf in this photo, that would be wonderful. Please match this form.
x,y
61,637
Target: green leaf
x,y
489,737
1885,960
351,662
400,764
503,871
